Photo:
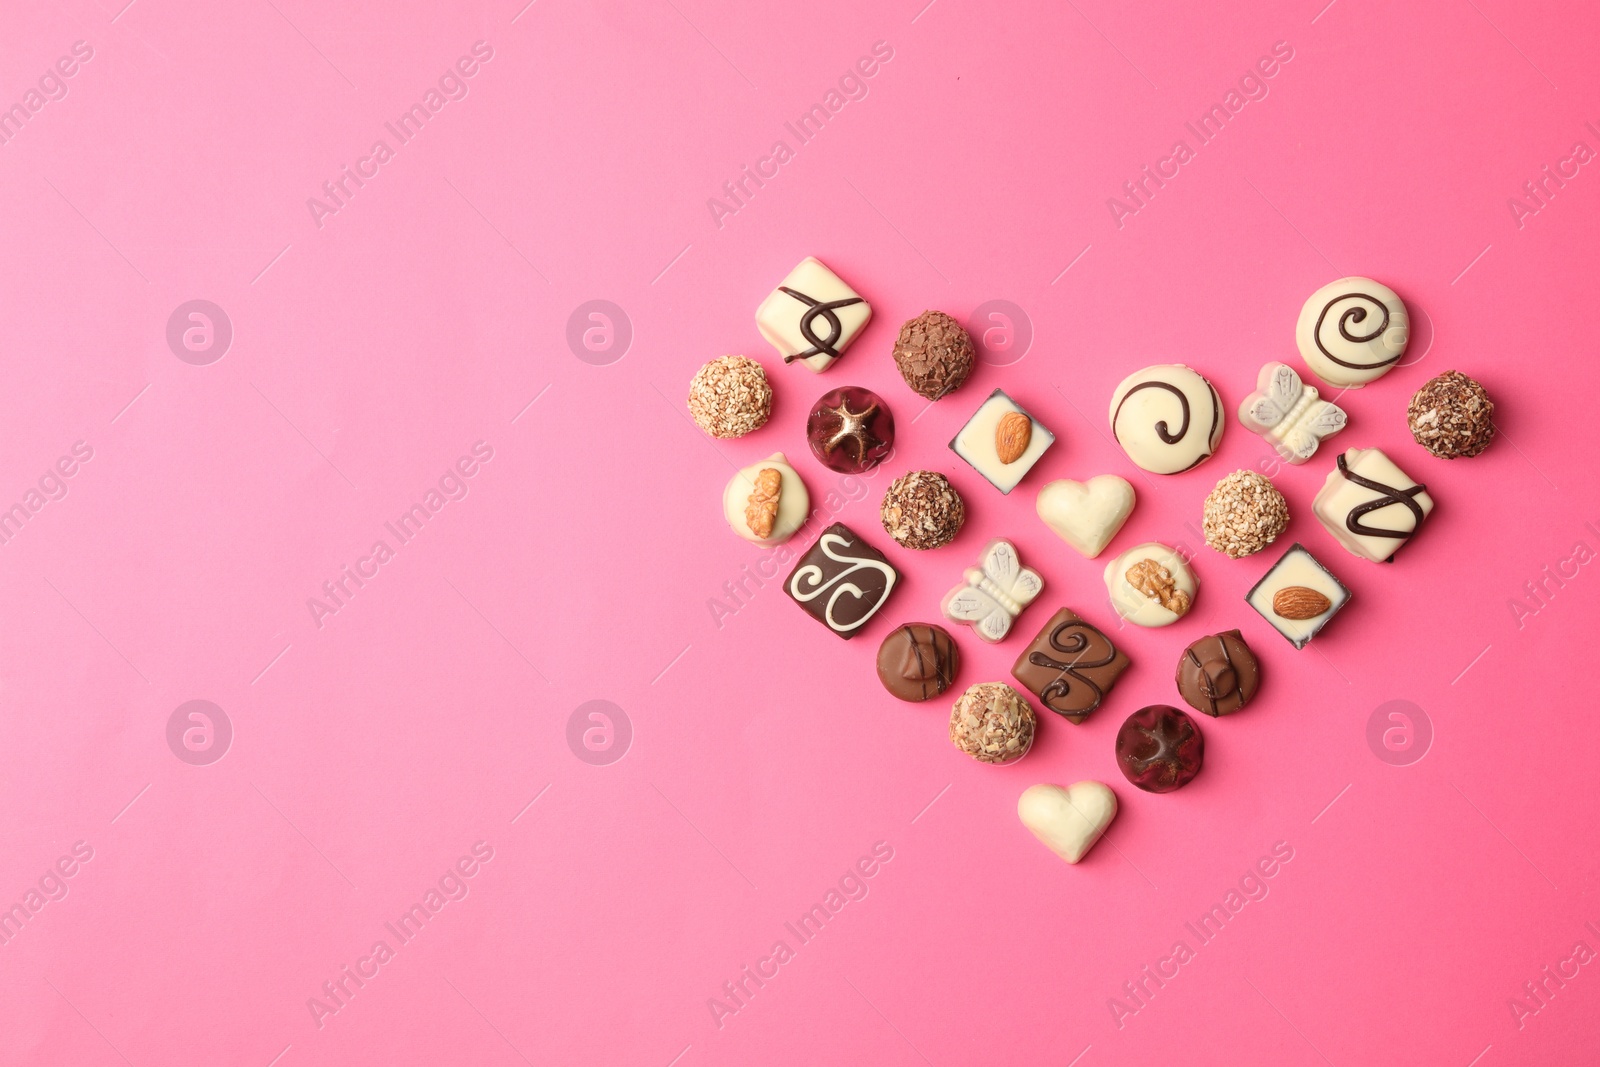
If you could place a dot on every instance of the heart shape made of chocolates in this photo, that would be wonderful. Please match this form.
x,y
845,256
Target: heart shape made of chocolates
x,y
1086,515
1069,821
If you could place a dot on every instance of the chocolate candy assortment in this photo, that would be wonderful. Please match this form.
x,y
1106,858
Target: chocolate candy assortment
x,y
1168,418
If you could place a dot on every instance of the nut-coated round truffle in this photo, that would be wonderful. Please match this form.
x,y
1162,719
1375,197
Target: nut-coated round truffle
x,y
729,396
1452,416
922,510
1244,514
934,354
992,723
1160,749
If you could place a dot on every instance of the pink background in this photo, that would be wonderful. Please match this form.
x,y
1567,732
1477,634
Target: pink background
x,y
369,754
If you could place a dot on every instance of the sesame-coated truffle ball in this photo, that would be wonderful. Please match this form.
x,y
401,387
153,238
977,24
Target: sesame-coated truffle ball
x,y
729,396
1244,514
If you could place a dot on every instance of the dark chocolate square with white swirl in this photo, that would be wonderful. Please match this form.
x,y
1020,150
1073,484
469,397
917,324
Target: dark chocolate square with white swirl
x,y
841,581
1070,666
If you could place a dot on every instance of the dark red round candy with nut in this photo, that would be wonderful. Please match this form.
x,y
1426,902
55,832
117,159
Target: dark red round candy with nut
x,y
1160,749
850,429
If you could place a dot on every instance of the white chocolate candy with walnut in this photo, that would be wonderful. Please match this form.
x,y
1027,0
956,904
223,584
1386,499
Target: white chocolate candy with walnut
x,y
1151,585
766,502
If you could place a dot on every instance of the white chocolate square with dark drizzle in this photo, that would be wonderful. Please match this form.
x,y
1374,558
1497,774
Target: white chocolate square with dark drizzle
x,y
1369,505
812,316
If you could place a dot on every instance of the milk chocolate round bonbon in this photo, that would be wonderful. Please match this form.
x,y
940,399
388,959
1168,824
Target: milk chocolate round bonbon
x,y
850,430
1352,331
730,397
1218,675
1452,416
1160,749
766,502
992,723
934,354
1167,418
922,510
918,661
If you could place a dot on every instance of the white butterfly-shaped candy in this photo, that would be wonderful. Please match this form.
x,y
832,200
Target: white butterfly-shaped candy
x,y
1288,413
995,594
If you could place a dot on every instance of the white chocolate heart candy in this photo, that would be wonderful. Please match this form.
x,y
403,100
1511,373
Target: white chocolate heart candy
x,y
1353,331
1086,515
1069,821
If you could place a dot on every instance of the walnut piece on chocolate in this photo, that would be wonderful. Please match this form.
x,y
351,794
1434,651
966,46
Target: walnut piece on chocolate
x,y
1156,582
762,509
934,354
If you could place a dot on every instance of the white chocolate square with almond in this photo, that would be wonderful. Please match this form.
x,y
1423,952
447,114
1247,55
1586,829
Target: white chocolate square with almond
x,y
812,316
1287,592
1002,442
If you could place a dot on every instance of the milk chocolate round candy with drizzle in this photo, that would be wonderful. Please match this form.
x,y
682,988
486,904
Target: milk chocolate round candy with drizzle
x,y
850,430
1160,749
918,661
1218,675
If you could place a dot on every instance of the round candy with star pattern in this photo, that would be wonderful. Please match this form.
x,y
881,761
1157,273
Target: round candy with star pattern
x,y
850,430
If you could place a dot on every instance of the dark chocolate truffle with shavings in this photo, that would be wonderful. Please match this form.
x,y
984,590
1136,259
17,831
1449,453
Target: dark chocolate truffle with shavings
x,y
934,354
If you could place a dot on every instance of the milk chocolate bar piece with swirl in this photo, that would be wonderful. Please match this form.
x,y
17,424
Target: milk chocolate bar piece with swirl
x,y
1070,666
841,581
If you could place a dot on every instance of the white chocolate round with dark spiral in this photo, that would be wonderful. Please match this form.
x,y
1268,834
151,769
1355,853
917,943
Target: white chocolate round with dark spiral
x,y
1353,331
1167,418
